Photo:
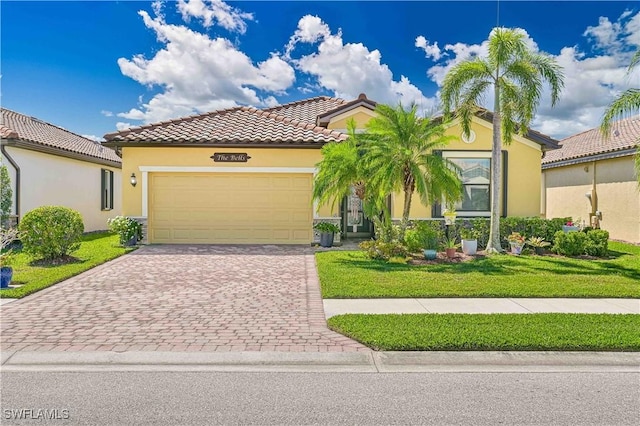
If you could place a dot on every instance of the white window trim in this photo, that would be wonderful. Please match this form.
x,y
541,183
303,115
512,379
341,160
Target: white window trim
x,y
470,154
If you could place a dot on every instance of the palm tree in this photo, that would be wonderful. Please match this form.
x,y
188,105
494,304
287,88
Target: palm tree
x,y
516,75
341,169
627,103
400,155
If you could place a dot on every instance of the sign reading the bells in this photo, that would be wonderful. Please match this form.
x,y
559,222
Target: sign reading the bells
x,y
230,157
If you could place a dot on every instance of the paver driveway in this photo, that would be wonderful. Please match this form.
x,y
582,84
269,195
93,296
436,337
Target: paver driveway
x,y
181,298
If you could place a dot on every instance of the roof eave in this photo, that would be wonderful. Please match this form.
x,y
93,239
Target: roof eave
x,y
45,149
589,158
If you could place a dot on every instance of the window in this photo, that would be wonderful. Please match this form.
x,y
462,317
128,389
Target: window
x,y
476,189
106,193
475,167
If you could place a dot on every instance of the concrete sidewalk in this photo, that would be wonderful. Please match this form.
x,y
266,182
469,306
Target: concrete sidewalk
x,y
334,307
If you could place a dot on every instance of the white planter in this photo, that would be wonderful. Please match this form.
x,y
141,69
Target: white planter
x,y
470,247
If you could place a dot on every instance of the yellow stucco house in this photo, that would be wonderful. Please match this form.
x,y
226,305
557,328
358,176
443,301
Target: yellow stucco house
x,y
245,175
49,165
592,180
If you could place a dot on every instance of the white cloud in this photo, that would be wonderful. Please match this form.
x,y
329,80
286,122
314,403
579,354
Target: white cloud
x,y
93,138
123,126
430,50
197,73
350,69
106,113
591,82
212,12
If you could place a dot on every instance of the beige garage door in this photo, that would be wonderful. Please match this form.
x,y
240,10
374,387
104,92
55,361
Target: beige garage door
x,y
230,208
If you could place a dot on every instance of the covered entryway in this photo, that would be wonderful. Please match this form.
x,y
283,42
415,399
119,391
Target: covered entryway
x,y
230,208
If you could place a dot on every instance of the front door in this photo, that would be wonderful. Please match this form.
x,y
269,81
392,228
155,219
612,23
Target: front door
x,y
354,223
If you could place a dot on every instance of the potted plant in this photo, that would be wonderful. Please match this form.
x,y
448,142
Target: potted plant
x,y
538,244
516,241
449,216
326,230
129,230
7,236
430,242
469,238
570,226
450,247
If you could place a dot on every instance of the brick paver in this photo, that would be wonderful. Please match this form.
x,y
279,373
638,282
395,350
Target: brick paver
x,y
181,298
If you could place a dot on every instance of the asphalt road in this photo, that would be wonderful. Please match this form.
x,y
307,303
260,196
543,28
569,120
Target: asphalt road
x,y
210,398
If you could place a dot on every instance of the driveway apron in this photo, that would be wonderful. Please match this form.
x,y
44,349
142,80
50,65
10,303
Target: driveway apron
x,y
181,298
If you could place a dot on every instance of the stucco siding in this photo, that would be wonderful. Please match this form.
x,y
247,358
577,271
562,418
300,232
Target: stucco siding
x,y
616,188
54,180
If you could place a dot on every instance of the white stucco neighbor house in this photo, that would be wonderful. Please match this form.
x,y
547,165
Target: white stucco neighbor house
x,y
49,165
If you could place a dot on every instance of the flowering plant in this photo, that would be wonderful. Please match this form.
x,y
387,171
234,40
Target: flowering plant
x,y
516,238
570,223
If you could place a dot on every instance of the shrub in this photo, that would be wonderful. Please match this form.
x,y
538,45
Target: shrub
x,y
423,235
51,232
597,243
126,227
570,243
6,196
380,250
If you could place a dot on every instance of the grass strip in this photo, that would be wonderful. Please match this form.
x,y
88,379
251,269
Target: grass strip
x,y
349,274
492,332
94,250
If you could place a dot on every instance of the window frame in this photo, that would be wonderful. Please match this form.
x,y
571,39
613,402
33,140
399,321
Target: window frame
x,y
106,189
470,154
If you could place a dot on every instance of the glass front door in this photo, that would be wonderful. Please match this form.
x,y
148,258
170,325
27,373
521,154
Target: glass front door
x,y
355,223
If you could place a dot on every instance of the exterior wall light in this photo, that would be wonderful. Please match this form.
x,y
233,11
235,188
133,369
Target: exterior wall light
x,y
133,180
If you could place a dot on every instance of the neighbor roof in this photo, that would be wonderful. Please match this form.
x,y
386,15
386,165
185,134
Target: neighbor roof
x,y
229,127
624,137
29,132
307,110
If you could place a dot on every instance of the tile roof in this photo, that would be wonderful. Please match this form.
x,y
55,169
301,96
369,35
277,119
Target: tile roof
x,y
307,110
625,134
240,125
14,125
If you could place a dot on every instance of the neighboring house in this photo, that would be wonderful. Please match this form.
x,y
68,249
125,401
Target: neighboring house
x,y
593,180
49,165
245,175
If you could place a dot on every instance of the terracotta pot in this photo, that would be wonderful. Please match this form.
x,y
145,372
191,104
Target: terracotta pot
x,y
451,252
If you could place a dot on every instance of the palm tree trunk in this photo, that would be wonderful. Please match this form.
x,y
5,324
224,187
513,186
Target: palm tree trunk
x,y
409,187
494,246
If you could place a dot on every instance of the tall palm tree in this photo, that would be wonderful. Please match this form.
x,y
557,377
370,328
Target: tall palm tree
x,y
627,103
516,75
400,155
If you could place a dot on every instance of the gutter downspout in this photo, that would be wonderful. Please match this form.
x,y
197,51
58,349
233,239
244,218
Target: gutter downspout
x,y
17,169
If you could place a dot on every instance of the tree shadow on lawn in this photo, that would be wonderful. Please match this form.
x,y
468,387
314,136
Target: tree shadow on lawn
x,y
505,265
53,263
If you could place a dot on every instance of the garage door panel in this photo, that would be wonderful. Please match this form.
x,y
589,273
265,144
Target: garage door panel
x,y
230,208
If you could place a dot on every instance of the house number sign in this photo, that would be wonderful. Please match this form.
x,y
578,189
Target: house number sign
x,y
230,157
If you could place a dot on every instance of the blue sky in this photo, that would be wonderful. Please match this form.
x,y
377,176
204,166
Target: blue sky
x,y
97,66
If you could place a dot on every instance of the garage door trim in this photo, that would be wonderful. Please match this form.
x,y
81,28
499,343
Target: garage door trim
x,y
176,169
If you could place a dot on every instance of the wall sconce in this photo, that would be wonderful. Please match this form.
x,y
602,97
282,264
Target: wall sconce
x,y
133,180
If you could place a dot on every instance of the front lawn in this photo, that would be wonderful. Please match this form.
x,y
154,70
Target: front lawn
x,y
349,274
492,332
95,249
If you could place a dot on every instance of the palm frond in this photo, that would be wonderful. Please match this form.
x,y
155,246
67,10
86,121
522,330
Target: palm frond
x,y
628,103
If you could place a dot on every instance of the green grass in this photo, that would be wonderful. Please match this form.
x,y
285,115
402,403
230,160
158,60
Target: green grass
x,y
349,274
95,249
493,332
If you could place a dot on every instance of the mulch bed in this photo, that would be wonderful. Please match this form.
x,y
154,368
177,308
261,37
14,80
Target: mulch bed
x,y
441,257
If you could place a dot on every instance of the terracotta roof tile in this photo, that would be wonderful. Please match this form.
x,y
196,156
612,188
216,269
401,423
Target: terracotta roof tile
x,y
229,126
307,110
625,134
14,125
